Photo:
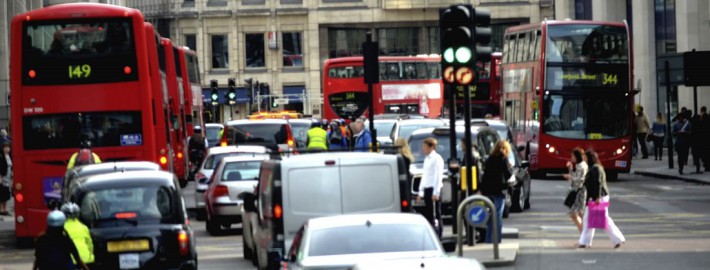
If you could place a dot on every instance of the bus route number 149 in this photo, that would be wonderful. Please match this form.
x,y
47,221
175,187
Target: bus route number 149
x,y
79,71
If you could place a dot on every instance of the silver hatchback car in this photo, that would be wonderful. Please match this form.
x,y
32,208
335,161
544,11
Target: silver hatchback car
x,y
214,156
233,176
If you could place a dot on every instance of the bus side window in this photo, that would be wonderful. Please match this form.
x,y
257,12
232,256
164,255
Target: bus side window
x,y
512,48
531,47
538,47
506,49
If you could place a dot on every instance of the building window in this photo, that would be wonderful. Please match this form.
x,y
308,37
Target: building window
x,y
434,40
582,9
345,42
255,50
398,41
292,49
665,24
191,41
220,51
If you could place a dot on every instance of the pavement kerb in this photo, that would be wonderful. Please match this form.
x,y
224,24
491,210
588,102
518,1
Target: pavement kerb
x,y
507,251
668,176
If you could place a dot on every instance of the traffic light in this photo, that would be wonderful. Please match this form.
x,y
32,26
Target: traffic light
x,y
456,29
482,35
215,92
232,93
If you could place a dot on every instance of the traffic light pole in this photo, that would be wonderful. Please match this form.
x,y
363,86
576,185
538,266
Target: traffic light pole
x,y
453,160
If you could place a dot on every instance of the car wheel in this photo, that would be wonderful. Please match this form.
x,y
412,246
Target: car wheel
x,y
246,251
518,199
212,227
183,183
527,195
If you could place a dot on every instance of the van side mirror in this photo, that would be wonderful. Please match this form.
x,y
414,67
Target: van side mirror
x,y
249,200
521,148
525,164
449,244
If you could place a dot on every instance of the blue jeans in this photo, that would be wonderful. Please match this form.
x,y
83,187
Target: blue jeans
x,y
499,202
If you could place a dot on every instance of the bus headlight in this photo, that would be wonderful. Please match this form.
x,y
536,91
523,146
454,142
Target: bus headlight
x,y
619,151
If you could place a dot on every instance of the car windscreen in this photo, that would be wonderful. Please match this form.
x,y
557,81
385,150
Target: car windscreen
x,y
415,143
128,206
212,161
371,238
212,134
384,127
300,131
258,133
241,171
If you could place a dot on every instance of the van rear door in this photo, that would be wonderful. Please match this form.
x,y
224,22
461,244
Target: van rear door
x,y
310,190
370,185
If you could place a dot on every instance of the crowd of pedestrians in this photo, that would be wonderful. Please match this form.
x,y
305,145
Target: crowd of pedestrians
x,y
337,135
690,133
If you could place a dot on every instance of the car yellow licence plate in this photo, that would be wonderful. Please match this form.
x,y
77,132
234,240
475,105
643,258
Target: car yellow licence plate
x,y
128,245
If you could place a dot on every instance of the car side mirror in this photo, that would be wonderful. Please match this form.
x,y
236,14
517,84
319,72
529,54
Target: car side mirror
x,y
449,244
248,199
521,148
525,164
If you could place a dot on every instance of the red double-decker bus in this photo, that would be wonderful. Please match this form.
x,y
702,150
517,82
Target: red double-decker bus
x,y
408,85
176,101
78,71
486,94
567,84
192,93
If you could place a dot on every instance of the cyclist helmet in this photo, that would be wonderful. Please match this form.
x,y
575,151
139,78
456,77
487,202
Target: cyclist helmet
x,y
56,219
70,209
85,144
197,129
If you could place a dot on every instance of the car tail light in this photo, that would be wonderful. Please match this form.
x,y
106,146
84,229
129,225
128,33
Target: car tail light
x,y
163,160
220,190
201,176
290,143
179,155
405,204
183,243
278,211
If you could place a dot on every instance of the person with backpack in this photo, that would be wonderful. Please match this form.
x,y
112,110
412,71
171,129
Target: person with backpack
x,y
84,156
337,139
79,233
54,249
197,150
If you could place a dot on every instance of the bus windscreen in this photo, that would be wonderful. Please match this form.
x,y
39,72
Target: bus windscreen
x,y
587,43
78,52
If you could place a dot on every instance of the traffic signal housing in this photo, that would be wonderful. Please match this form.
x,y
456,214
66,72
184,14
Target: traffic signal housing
x,y
482,35
214,97
232,93
457,42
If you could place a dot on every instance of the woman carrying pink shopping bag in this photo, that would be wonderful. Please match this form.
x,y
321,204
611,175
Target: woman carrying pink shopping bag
x,y
596,214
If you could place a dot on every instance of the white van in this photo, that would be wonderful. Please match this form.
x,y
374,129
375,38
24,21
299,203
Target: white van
x,y
297,188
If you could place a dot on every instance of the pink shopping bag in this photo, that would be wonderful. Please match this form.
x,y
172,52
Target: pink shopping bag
x,y
597,215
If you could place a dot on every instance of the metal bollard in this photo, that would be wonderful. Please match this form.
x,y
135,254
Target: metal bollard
x,y
459,222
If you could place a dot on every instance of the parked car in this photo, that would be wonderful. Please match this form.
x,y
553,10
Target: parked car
x,y
404,128
233,176
340,242
137,220
274,134
214,156
483,137
212,133
80,173
297,188
299,128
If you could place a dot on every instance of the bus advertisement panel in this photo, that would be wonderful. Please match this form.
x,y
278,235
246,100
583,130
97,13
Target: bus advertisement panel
x,y
408,85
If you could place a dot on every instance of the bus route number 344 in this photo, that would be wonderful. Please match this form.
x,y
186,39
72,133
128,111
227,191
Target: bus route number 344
x,y
79,71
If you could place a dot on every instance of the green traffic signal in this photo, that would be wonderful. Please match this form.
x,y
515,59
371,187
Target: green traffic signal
x,y
232,95
215,97
463,55
449,55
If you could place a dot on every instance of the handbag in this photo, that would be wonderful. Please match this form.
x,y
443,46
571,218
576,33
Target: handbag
x,y
571,197
596,212
649,137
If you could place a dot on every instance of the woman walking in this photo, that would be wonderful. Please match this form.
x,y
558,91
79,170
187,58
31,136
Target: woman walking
x,y
659,134
577,171
598,191
406,152
497,173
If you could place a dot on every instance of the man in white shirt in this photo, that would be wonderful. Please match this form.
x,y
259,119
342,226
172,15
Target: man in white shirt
x,y
430,184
